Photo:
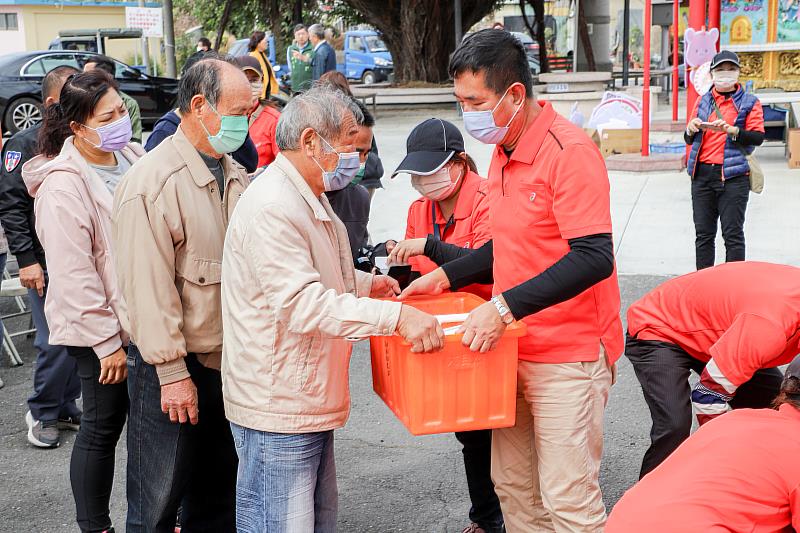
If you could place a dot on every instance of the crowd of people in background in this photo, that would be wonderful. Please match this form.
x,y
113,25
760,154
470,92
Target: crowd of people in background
x,y
204,290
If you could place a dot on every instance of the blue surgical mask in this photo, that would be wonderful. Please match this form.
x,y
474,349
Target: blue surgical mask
x,y
346,169
481,125
232,132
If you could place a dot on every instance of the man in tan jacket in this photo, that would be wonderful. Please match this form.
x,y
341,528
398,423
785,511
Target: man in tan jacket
x,y
291,299
170,214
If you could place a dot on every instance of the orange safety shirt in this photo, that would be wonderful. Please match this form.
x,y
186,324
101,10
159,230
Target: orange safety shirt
x,y
739,472
468,227
552,188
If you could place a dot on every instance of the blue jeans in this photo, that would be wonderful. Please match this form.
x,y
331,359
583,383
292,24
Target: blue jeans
x,y
56,384
286,482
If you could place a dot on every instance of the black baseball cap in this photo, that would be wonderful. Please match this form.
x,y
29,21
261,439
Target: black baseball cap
x,y
726,56
429,146
249,63
793,370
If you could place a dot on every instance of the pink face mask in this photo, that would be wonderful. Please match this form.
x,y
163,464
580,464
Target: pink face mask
x,y
437,186
114,136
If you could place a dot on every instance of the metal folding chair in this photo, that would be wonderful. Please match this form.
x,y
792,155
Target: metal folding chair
x,y
12,288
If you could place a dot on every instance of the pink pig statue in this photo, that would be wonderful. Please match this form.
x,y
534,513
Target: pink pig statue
x,y
699,46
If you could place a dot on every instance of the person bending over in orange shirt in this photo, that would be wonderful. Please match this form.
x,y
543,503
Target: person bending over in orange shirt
x,y
738,473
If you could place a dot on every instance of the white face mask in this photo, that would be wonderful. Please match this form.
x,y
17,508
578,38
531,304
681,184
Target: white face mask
x,y
437,186
481,124
725,80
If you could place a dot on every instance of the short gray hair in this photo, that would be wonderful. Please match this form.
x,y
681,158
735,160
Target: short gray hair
x,y
321,109
202,78
317,30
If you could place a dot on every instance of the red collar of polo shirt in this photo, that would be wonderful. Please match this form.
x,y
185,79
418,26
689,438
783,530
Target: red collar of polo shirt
x,y
465,201
532,138
789,411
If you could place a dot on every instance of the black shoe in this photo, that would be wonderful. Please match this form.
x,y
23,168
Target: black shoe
x,y
71,423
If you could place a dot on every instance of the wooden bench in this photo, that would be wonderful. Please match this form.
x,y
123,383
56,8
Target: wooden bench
x,y
365,97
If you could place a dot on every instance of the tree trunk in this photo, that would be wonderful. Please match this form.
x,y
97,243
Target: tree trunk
x,y
223,23
297,13
537,32
274,15
420,34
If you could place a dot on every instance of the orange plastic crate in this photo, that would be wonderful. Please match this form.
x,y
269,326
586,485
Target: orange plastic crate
x,y
451,390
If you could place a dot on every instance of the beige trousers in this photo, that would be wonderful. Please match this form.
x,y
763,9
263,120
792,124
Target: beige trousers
x,y
546,467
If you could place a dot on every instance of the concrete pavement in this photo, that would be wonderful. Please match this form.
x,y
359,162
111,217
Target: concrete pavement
x,y
390,481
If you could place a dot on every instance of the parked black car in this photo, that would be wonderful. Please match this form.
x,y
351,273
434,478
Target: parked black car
x,y
21,77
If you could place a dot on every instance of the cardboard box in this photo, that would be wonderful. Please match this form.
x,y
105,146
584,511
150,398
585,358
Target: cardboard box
x,y
624,141
793,147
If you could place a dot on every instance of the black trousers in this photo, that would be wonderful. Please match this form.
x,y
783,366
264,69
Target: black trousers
x,y
477,449
663,371
91,469
173,465
713,200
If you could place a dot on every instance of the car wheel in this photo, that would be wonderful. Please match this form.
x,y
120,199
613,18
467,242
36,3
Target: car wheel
x,y
368,78
22,114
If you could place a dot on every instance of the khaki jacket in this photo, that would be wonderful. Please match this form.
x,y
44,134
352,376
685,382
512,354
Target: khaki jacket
x,y
290,296
169,226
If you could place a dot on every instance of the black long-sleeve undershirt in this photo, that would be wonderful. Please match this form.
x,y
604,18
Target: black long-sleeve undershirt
x,y
441,252
589,261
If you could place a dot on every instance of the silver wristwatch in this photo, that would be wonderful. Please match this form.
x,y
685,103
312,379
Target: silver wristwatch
x,y
505,314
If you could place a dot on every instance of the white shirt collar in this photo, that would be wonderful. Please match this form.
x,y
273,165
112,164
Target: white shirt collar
x,y
319,44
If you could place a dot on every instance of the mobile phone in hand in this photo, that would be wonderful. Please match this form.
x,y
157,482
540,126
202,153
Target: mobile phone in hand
x,y
709,126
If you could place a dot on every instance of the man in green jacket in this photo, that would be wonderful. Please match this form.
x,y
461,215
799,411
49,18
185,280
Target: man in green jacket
x,y
298,57
107,64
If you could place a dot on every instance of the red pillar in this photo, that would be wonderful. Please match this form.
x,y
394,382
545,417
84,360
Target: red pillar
x,y
648,11
713,16
675,44
697,19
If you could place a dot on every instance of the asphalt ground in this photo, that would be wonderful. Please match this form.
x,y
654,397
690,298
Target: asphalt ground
x,y
389,480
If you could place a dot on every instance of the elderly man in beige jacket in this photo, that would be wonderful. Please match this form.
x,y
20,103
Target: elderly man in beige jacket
x,y
290,300
170,214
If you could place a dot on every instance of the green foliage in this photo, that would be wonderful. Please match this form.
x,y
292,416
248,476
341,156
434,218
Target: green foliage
x,y
249,15
246,15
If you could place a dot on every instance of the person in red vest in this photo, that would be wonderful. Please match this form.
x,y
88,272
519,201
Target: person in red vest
x,y
449,220
726,125
738,473
732,325
551,260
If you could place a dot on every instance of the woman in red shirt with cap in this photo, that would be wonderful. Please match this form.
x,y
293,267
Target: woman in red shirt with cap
x,y
449,220
265,114
738,473
727,125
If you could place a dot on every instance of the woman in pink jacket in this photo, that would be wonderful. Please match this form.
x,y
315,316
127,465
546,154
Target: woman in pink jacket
x,y
85,149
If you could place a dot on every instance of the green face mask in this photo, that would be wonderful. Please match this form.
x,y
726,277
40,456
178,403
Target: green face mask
x,y
232,132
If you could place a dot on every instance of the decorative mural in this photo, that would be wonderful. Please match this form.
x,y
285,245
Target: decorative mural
x,y
788,20
744,21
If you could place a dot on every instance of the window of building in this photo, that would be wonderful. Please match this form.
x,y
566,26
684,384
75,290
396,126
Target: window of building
x,y
8,21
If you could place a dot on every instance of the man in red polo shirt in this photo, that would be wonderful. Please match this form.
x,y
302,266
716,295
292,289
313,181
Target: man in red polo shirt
x,y
731,324
552,260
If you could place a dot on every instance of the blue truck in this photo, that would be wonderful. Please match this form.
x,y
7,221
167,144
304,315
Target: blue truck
x,y
365,57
